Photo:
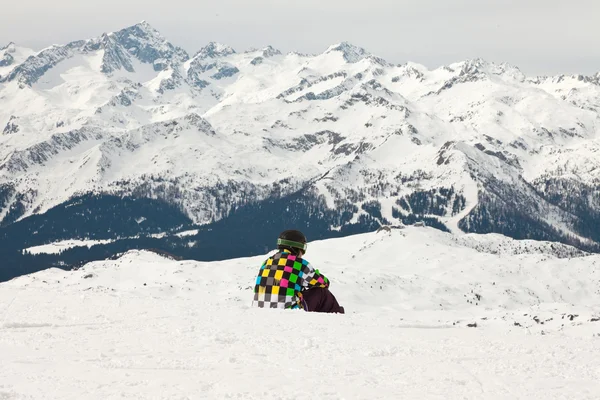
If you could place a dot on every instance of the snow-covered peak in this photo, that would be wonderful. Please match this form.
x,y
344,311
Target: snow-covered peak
x,y
140,42
567,80
35,66
508,70
350,52
195,121
207,65
411,70
469,67
6,58
144,25
147,44
481,67
270,51
12,55
9,48
258,56
142,30
214,50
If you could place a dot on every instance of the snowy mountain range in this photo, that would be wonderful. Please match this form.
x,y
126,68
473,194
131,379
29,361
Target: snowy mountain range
x,y
429,315
239,144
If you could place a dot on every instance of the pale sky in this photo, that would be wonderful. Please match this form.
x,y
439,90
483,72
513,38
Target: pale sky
x,y
539,36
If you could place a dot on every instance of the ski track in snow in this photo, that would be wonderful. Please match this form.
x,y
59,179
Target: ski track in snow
x,y
145,327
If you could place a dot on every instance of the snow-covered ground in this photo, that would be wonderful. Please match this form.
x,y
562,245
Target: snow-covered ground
x,y
146,327
57,247
62,245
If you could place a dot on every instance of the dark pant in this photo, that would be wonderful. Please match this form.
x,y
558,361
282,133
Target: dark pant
x,y
320,300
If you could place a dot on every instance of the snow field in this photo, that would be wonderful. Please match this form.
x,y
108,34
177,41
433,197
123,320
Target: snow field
x,y
145,327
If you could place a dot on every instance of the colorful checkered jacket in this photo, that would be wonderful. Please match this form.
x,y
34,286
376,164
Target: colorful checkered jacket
x,y
281,280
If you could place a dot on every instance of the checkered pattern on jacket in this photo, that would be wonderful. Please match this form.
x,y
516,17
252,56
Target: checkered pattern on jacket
x,y
281,279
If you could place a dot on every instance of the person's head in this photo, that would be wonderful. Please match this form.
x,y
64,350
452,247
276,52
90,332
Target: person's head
x,y
292,240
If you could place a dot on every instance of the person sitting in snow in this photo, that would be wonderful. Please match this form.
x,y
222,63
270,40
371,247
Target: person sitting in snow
x,y
286,280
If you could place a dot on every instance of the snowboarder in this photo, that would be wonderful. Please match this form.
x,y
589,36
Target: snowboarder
x,y
288,281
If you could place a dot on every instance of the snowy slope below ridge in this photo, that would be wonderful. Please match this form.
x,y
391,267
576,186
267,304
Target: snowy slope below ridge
x,y
410,297
409,269
384,142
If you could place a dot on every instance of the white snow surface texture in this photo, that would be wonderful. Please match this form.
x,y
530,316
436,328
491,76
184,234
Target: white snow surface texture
x,y
128,109
146,327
